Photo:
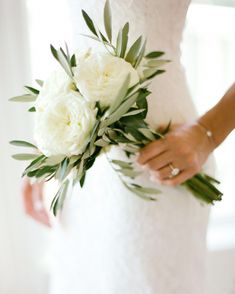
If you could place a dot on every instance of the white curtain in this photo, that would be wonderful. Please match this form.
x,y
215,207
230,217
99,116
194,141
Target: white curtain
x,y
22,242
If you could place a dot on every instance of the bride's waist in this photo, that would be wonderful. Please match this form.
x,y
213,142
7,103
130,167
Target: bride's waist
x,y
170,99
160,112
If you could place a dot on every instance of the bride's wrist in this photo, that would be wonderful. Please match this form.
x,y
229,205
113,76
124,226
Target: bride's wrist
x,y
220,119
207,134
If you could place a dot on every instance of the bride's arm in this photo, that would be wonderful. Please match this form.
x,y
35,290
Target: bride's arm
x,y
33,201
188,146
221,118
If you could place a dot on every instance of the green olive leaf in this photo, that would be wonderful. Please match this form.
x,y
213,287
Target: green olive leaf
x,y
133,52
122,41
24,156
120,95
32,90
154,54
22,144
108,20
39,82
24,98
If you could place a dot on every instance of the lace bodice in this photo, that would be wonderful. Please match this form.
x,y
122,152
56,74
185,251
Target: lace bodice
x,y
162,22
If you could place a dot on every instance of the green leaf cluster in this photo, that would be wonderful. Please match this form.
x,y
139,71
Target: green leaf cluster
x,y
30,95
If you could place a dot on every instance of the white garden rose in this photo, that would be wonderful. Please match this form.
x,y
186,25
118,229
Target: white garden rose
x,y
65,125
54,86
100,75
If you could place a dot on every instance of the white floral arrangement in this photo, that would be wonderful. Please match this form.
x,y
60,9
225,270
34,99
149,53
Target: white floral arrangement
x,y
94,101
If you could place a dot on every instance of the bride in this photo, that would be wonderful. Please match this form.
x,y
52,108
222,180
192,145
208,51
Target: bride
x,y
108,241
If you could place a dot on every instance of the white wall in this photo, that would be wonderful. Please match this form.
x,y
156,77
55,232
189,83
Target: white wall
x,y
221,272
21,241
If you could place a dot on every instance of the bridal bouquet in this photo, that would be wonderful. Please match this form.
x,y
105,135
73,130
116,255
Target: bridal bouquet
x,y
97,99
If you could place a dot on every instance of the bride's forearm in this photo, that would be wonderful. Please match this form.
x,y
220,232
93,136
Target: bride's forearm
x,y
220,119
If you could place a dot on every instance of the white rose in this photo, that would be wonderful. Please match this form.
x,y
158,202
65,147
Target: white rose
x,y
99,76
55,85
64,126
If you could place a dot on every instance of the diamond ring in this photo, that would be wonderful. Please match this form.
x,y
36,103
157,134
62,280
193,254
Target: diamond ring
x,y
174,170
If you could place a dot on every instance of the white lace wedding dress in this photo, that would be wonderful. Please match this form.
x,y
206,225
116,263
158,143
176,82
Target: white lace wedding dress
x,y
109,241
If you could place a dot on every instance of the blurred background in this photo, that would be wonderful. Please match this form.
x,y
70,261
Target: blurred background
x,y
27,27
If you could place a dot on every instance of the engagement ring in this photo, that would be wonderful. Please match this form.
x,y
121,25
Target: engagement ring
x,y
174,171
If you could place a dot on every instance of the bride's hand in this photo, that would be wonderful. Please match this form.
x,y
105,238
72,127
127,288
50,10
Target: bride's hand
x,y
33,202
185,147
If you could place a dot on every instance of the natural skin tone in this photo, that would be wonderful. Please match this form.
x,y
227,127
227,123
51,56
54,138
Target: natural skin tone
x,y
186,147
33,202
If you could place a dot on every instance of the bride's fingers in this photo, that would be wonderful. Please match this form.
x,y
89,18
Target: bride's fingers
x,y
162,174
180,178
162,128
152,150
160,161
